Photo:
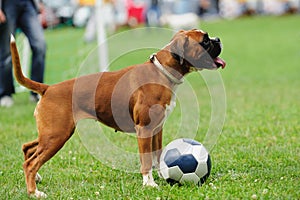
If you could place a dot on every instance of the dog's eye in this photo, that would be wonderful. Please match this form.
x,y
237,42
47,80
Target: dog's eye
x,y
205,42
206,39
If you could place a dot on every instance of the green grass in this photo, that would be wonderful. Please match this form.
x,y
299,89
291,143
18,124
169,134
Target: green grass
x,y
257,153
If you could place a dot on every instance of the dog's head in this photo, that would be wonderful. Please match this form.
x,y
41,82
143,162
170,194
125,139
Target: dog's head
x,y
196,50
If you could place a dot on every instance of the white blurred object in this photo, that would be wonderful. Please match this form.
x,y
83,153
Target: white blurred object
x,y
279,7
108,17
230,9
181,21
274,7
81,16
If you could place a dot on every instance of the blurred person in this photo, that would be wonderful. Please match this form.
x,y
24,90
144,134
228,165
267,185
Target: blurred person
x,y
22,14
237,8
217,2
185,6
279,7
120,12
153,13
180,14
229,8
274,7
248,7
208,8
204,6
136,10
291,6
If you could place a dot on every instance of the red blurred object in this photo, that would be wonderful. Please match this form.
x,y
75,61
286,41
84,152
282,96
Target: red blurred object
x,y
135,12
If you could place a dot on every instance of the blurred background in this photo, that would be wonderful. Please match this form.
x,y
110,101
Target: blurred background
x,y
257,155
174,13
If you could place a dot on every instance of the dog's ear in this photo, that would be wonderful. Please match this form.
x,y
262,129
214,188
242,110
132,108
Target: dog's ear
x,y
178,45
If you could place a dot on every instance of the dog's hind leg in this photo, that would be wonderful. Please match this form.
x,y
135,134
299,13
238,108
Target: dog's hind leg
x,y
30,167
29,149
49,143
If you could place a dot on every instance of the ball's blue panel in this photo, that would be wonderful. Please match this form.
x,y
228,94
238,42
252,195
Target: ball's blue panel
x,y
171,156
187,163
191,141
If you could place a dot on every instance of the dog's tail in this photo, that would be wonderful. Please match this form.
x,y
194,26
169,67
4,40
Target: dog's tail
x,y
37,87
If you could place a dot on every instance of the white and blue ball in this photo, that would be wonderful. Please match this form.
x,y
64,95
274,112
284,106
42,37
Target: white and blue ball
x,y
185,160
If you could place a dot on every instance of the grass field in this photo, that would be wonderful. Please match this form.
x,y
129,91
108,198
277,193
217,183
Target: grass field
x,y
257,156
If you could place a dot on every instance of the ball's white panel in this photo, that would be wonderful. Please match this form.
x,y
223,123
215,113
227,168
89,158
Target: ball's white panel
x,y
164,170
174,144
200,153
201,169
175,173
185,148
204,154
191,177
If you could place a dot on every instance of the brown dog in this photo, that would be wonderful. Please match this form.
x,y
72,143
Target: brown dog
x,y
134,99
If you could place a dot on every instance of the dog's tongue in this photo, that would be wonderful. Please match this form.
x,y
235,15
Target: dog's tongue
x,y
220,62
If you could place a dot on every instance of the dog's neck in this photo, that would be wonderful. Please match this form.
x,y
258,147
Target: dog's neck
x,y
165,71
177,71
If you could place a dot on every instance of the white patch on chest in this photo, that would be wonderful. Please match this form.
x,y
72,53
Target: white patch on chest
x,y
171,106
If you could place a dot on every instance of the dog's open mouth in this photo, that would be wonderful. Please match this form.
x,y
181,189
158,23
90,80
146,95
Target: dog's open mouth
x,y
219,62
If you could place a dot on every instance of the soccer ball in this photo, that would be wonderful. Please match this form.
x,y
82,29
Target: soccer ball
x,y
185,160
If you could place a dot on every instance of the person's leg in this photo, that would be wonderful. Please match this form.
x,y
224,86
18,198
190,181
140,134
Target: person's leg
x,y
32,28
6,78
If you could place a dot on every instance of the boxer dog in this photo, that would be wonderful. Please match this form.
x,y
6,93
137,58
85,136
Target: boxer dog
x,y
134,99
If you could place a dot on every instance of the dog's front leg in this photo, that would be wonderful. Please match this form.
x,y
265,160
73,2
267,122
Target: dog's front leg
x,y
156,147
145,137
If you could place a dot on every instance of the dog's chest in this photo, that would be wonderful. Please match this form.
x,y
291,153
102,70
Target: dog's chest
x,y
170,107
168,110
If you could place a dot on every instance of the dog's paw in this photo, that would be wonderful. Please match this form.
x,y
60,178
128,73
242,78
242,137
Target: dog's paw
x,y
151,184
38,178
148,180
38,194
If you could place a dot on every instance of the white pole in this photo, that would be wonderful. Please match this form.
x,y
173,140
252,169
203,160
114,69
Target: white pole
x,y
101,37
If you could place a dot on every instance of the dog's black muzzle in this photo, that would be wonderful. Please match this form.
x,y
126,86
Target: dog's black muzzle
x,y
212,46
